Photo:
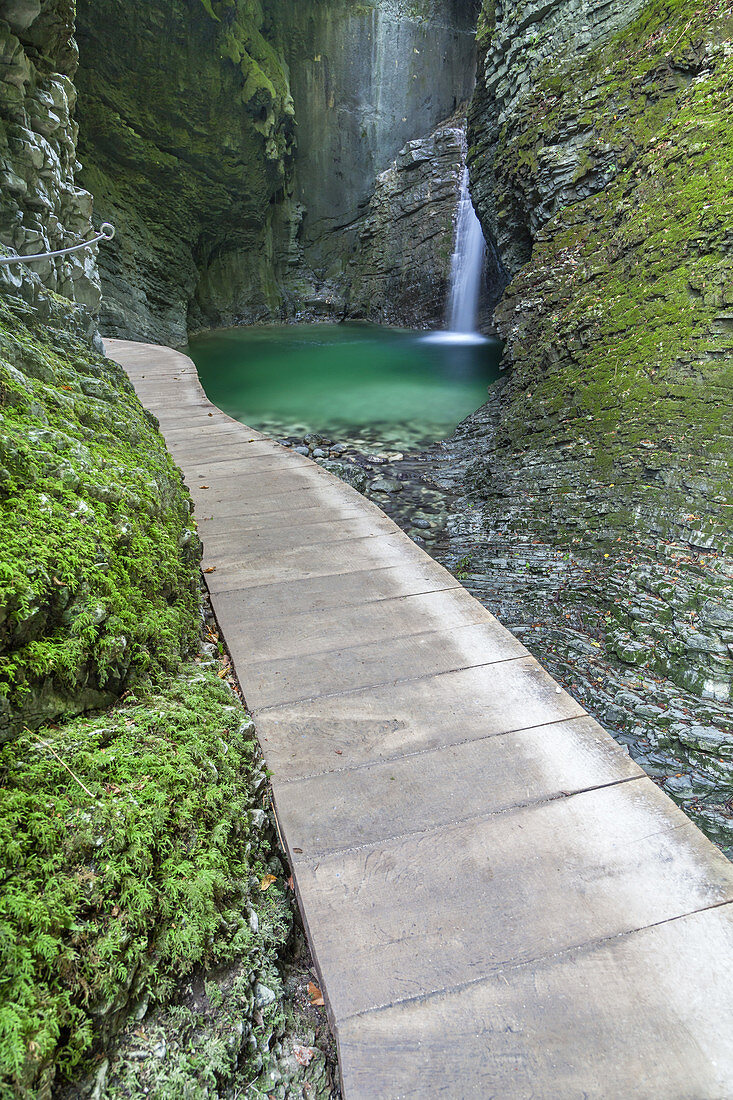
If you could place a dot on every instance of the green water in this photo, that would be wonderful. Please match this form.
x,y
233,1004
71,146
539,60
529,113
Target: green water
x,y
362,383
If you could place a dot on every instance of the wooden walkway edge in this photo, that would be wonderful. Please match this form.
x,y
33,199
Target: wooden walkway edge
x,y
499,901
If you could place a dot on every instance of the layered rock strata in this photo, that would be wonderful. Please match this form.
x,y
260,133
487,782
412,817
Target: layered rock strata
x,y
400,272
366,79
187,140
42,208
594,487
236,145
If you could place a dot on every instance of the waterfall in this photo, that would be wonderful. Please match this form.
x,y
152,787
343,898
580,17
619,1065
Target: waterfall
x,y
467,266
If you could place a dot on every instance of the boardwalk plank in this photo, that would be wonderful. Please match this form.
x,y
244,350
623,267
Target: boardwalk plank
x,y
290,679
448,906
422,790
500,903
647,1015
412,716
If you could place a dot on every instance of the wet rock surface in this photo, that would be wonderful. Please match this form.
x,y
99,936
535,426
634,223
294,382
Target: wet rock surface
x,y
266,129
400,270
42,208
367,80
187,138
591,495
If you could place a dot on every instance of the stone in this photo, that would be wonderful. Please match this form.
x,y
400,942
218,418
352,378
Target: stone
x,y
264,995
195,241
386,485
42,206
400,271
349,472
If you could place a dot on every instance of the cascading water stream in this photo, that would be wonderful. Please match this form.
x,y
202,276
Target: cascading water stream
x,y
467,270
467,266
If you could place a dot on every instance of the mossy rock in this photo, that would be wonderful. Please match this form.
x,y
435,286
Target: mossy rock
x,y
133,846
98,585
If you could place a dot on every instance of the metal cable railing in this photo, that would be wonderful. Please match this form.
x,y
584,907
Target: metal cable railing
x,y
106,233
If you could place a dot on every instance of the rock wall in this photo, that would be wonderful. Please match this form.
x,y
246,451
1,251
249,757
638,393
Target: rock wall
x,y
41,206
98,577
187,135
594,487
97,559
400,271
233,201
366,79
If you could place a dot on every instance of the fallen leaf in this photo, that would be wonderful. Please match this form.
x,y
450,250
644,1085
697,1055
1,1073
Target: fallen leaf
x,y
315,994
298,850
203,486
291,884
267,882
303,1055
339,752
211,414
211,569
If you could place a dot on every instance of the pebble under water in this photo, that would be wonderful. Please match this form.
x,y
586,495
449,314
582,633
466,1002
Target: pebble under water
x,y
375,386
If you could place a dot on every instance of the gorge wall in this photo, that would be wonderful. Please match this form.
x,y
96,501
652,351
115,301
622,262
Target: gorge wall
x,y
98,557
367,79
187,143
236,145
593,490
42,208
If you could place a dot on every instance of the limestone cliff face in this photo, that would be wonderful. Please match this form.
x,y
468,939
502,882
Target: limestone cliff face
x,y
599,474
519,44
400,270
367,79
187,137
235,145
98,557
42,208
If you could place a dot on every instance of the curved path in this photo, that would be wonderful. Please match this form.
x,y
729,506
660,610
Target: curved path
x,y
500,903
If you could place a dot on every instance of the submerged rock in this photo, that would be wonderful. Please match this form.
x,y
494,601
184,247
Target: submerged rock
x,y
386,485
349,472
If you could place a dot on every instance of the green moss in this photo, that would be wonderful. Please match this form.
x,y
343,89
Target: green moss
x,y
97,563
486,24
610,438
128,857
621,326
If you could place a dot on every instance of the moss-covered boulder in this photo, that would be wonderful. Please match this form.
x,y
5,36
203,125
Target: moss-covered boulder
x,y
134,849
596,483
98,586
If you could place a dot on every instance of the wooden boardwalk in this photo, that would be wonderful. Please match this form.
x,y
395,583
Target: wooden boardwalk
x,y
499,901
